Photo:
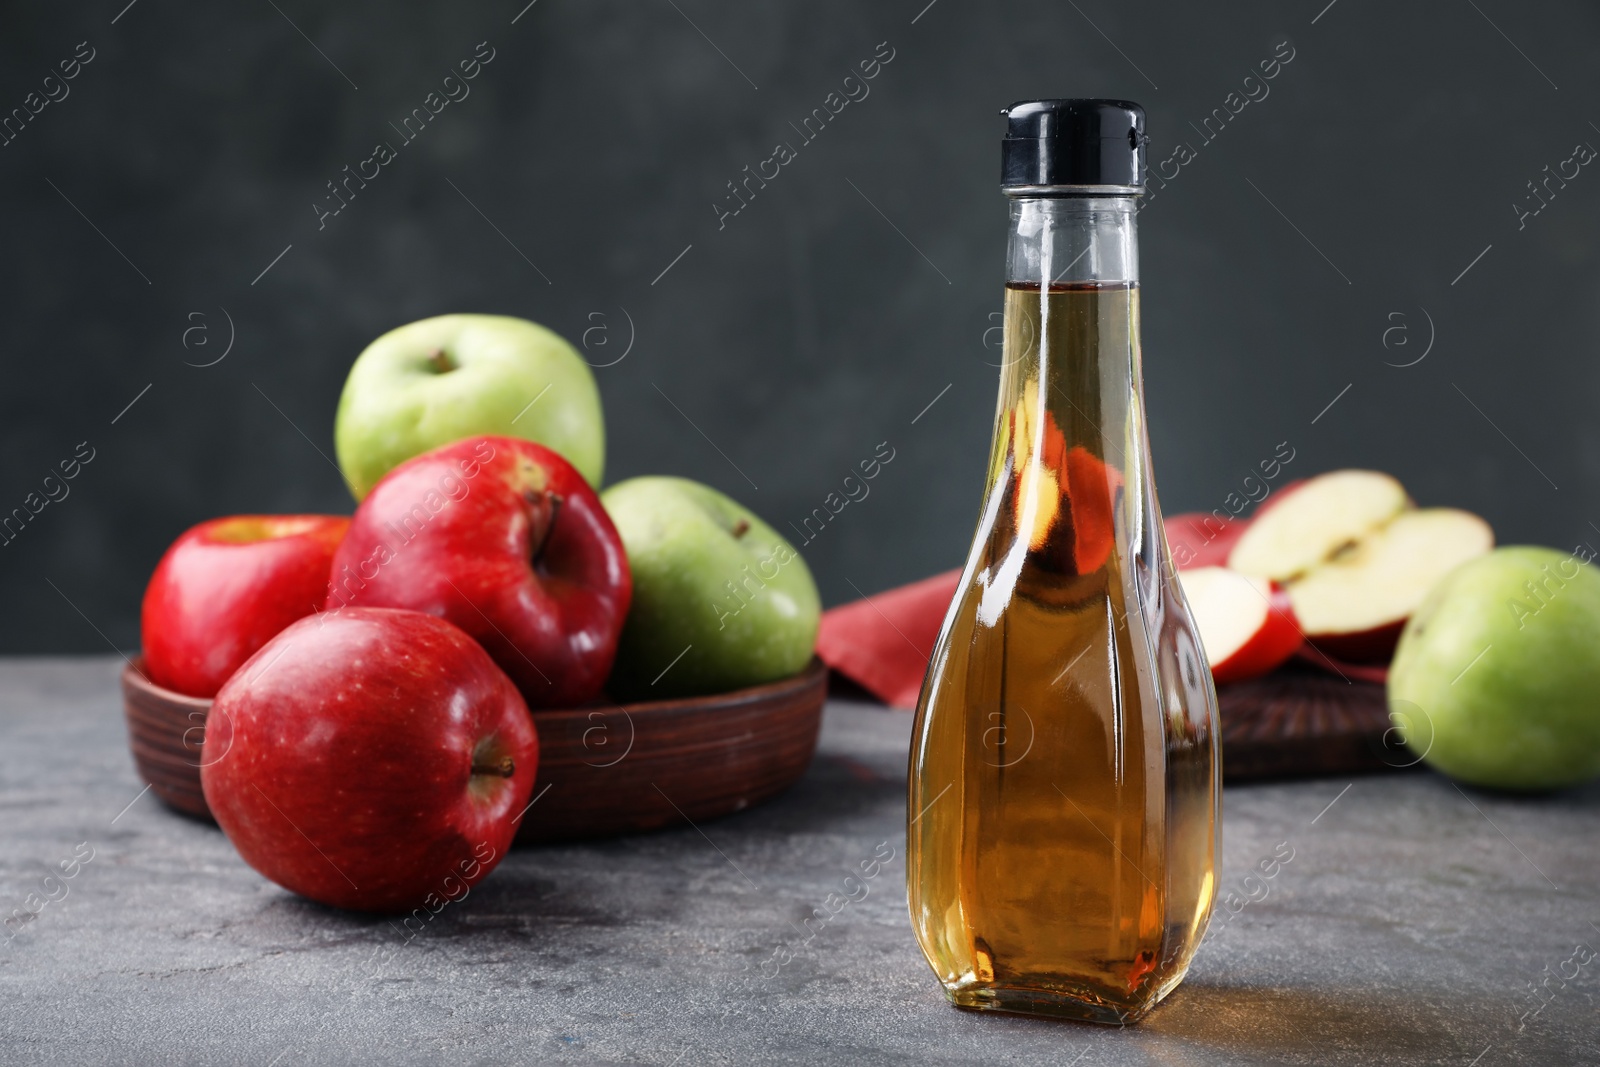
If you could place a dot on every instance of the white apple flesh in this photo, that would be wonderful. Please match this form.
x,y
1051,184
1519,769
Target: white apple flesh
x,y
1246,623
1309,524
1354,606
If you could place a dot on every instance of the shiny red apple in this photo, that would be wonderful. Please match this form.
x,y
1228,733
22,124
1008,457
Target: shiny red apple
x,y
505,539
226,587
370,759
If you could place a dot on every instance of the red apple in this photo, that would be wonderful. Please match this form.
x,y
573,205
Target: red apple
x,y
226,587
1246,624
505,539
370,759
1354,606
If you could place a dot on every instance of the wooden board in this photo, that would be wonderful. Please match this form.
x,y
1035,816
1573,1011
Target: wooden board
x,y
1300,722
1297,722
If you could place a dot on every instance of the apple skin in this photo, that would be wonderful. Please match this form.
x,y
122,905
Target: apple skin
x,y
1374,646
359,759
1196,539
1507,697
505,539
225,588
1214,595
743,603
505,376
1274,643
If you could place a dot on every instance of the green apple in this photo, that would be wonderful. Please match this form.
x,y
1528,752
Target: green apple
x,y
1497,677
720,600
436,381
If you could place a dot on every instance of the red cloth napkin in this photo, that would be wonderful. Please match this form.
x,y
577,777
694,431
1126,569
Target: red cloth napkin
x,y
883,643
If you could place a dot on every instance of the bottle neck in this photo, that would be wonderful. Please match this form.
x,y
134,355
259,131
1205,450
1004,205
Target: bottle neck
x,y
1068,241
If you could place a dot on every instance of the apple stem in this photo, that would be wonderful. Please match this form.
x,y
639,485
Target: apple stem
x,y
504,769
441,361
741,528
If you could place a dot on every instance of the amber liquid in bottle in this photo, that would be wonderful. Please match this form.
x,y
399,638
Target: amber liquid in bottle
x,y
1062,823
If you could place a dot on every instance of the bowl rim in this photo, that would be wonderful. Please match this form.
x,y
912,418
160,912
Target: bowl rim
x,y
135,678
814,673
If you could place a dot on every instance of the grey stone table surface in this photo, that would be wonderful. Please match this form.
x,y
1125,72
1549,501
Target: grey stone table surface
x,y
1411,926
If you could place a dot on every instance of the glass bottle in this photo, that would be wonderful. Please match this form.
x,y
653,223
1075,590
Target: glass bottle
x,y
1063,831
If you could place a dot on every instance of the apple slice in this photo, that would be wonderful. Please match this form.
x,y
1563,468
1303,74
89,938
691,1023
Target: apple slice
x,y
1246,624
1309,524
1354,606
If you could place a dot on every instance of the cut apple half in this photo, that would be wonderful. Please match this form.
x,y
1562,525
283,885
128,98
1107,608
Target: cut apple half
x,y
1315,520
1247,625
1354,606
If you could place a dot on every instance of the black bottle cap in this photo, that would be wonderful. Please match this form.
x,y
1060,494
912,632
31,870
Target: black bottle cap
x,y
1070,145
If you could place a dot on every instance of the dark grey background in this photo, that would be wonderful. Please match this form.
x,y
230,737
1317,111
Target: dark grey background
x,y
1385,159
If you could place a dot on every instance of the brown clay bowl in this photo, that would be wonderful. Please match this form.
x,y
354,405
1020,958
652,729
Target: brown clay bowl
x,y
603,770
